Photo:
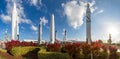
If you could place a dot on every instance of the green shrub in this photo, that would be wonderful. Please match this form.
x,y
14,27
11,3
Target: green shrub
x,y
42,49
53,55
102,55
43,54
3,50
20,51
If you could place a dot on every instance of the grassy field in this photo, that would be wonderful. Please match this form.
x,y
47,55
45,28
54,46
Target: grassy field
x,y
44,52
2,57
3,50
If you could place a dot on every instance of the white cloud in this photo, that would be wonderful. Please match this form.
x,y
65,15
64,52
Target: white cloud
x,y
35,2
75,11
34,28
92,6
100,11
27,21
5,18
44,20
38,4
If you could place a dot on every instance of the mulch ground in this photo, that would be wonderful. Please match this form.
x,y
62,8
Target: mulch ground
x,y
8,56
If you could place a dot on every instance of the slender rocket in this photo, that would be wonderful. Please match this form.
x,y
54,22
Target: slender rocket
x,y
52,30
15,23
88,24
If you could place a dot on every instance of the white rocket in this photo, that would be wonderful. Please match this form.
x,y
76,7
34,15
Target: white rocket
x,y
15,23
52,30
65,35
40,33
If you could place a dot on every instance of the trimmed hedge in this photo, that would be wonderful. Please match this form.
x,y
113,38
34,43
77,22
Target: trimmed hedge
x,y
43,54
20,51
3,50
16,43
53,55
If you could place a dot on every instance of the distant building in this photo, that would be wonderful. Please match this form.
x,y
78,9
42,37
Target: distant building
x,y
2,44
33,40
72,41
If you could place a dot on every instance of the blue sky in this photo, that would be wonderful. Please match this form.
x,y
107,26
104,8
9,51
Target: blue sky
x,y
69,15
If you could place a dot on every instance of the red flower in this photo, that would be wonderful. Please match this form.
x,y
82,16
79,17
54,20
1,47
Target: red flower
x,y
112,49
15,43
56,47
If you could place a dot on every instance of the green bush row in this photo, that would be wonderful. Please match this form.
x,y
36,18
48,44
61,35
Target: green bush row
x,y
20,51
42,54
3,50
32,52
53,55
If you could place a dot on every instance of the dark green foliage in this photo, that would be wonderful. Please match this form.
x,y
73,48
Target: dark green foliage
x,y
20,51
53,55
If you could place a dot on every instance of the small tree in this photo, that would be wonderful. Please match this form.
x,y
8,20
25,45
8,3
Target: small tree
x,y
109,40
100,41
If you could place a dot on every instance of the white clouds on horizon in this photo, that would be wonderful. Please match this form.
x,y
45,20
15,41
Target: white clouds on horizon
x,y
75,12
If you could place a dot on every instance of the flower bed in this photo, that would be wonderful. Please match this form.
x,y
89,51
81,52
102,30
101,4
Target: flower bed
x,y
56,47
113,54
78,50
75,50
16,43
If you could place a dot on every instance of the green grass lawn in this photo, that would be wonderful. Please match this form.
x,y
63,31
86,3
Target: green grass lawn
x,y
3,50
42,53
2,57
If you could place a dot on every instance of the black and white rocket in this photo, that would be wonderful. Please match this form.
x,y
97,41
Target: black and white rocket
x,y
88,24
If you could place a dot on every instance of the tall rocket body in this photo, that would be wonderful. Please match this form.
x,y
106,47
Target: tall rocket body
x,y
40,33
15,23
52,30
88,24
